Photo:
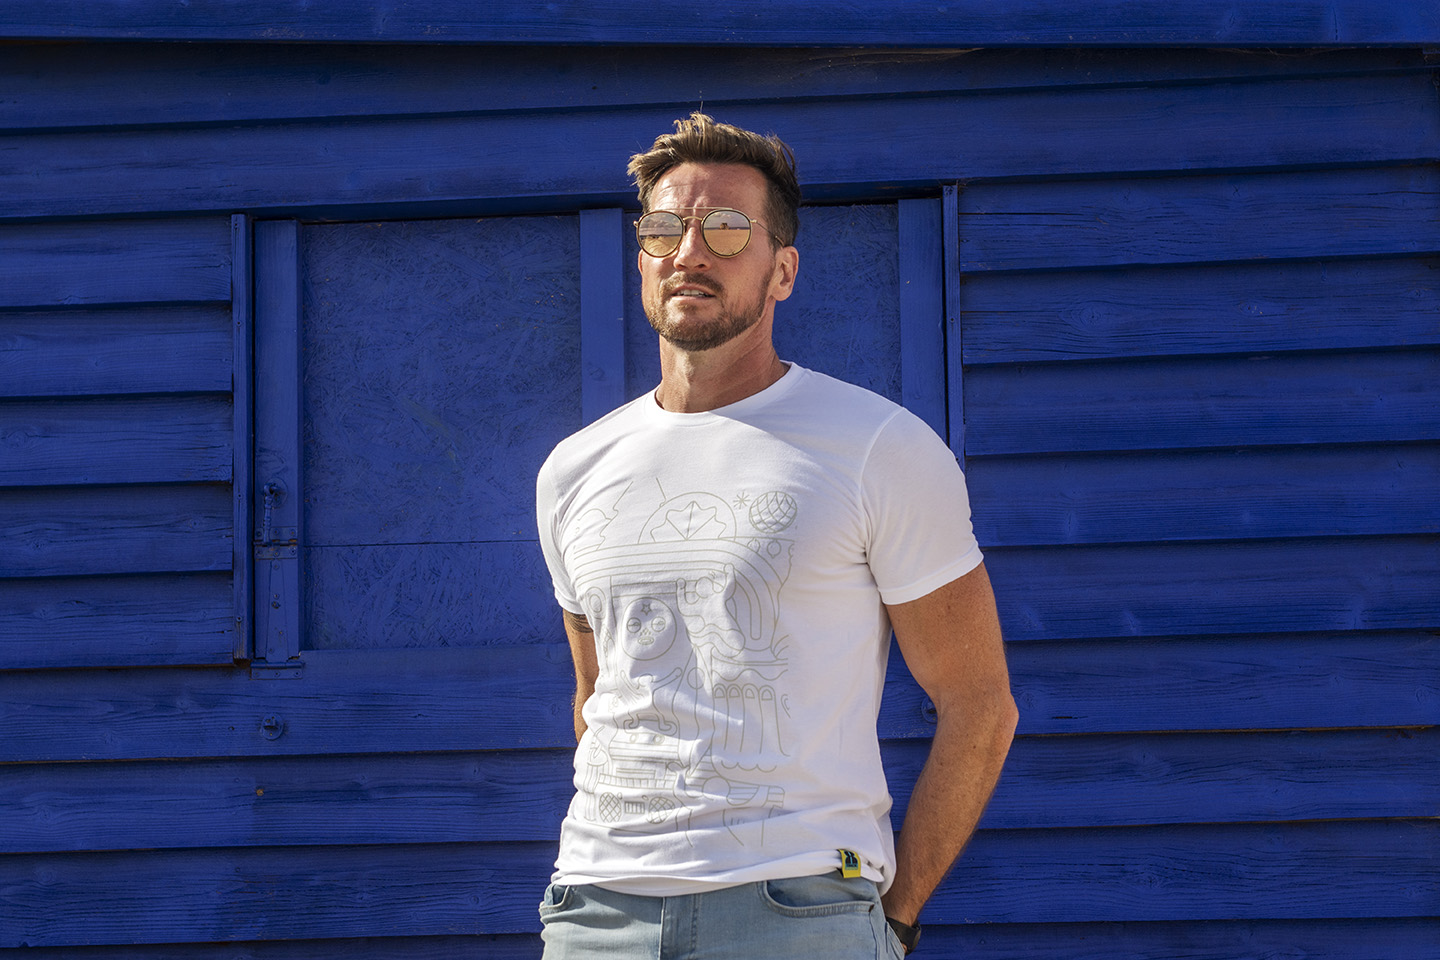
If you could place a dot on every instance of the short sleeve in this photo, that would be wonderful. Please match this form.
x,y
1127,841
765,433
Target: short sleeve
x,y
914,495
547,520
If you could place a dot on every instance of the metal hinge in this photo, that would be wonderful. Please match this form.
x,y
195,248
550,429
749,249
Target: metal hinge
x,y
275,543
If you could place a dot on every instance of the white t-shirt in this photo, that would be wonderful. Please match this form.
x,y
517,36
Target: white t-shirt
x,y
734,565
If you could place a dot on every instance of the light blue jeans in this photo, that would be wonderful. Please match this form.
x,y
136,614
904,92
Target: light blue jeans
x,y
798,917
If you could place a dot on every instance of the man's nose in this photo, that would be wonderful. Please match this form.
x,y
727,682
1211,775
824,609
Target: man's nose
x,y
692,251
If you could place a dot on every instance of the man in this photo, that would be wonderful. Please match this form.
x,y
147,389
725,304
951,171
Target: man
x,y
731,552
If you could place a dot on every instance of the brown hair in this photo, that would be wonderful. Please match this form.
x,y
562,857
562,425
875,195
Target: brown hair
x,y
700,139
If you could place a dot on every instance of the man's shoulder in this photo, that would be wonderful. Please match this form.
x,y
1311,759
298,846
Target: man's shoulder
x,y
582,446
848,405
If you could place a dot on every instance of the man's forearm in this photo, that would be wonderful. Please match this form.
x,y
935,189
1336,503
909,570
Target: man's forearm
x,y
964,765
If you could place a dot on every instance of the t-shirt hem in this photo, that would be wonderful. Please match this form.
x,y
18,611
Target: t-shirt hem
x,y
919,588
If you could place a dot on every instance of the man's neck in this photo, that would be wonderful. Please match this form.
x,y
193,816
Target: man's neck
x,y
709,379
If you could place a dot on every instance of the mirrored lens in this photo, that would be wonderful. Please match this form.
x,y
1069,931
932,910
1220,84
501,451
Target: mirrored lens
x,y
659,233
726,231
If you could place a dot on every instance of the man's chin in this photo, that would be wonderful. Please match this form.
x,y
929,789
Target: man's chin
x,y
693,337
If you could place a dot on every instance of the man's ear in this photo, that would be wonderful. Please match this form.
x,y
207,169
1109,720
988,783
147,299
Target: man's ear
x,y
787,265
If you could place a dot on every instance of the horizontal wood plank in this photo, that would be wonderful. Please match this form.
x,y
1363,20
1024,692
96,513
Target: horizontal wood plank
x,y
1225,23
1234,217
480,946
142,261
153,349
464,165
78,531
1227,494
1267,682
1254,400
116,622
502,796
113,441
1355,869
468,699
1356,583
125,84
1201,309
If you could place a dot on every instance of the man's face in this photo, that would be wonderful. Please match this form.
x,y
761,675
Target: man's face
x,y
693,298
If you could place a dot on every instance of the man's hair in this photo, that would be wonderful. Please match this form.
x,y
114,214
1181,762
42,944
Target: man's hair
x,y
700,139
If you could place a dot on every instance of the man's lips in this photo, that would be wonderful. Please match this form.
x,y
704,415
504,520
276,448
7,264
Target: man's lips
x,y
690,289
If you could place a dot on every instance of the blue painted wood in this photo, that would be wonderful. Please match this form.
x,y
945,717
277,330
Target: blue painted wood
x,y
520,946
242,285
1227,494
1234,217
1355,583
87,352
1246,682
392,596
468,699
115,530
1246,872
969,23
1206,309
141,261
134,440
522,795
441,365
602,312
463,165
128,621
127,84
922,311
954,323
1175,403
278,491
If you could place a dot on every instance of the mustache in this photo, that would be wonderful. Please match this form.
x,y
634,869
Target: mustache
x,y
678,280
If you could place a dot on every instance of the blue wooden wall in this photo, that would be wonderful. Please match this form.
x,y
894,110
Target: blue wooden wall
x,y
1177,310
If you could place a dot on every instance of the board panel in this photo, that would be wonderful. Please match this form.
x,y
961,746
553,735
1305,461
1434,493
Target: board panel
x,y
439,362
517,946
109,621
1049,782
1357,583
1326,398
1324,213
1035,23
1359,869
124,84
114,441
114,530
1226,494
1201,309
428,595
142,261
152,349
460,165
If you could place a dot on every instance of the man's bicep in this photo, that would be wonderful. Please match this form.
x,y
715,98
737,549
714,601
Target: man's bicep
x,y
582,646
951,641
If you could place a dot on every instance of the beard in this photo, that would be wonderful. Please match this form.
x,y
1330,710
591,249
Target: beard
x,y
692,335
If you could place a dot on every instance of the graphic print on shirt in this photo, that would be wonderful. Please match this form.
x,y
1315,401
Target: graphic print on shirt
x,y
685,613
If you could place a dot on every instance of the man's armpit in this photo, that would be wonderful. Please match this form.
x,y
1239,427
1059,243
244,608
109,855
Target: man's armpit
x,y
577,622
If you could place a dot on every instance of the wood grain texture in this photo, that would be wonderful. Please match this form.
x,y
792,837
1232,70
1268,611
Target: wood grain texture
x,y
1383,211
1030,23
124,84
1356,583
506,796
514,946
1201,309
115,530
427,595
441,365
149,349
142,261
1248,682
1232,872
602,311
100,441
113,622
922,310
1232,494
465,165
1175,403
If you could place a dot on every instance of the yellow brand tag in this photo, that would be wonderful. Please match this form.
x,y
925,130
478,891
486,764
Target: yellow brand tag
x,y
849,864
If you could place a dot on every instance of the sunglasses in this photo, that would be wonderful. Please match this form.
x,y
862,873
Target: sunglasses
x,y
726,232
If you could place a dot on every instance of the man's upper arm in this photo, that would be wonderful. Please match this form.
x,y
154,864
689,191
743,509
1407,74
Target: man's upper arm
x,y
582,647
951,642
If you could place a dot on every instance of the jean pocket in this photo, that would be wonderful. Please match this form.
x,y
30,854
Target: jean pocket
x,y
557,897
818,896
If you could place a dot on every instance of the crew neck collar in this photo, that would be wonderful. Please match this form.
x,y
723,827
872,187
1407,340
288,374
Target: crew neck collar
x,y
730,411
